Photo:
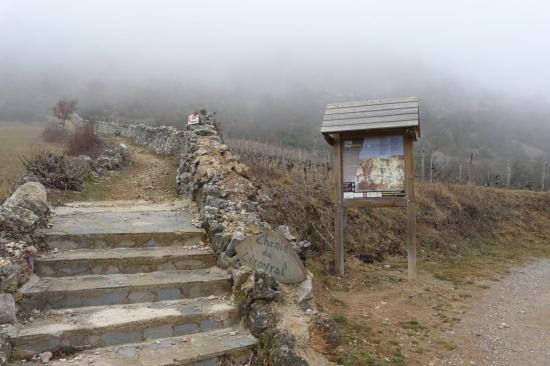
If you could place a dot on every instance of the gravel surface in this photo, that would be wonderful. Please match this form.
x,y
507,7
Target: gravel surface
x,y
510,324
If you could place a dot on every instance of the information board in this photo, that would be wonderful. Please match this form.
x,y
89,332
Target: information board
x,y
373,167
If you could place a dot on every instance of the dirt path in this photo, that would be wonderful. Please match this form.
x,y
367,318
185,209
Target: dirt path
x,y
150,177
510,322
497,321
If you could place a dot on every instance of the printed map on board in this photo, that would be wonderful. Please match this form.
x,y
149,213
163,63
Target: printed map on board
x,y
374,167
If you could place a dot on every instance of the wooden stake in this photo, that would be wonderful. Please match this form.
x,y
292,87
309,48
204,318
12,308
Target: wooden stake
x,y
422,166
411,218
431,166
470,168
543,178
340,212
508,173
314,157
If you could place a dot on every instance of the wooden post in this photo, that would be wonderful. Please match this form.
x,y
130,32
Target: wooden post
x,y
431,166
508,173
543,178
314,156
470,168
460,173
339,218
422,166
411,218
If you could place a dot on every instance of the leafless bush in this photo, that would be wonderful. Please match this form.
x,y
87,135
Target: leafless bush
x,y
54,133
84,141
57,171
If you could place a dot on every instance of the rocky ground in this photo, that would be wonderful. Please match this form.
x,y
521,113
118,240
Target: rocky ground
x,y
508,324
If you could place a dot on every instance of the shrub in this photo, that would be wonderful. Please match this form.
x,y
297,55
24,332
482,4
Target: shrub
x,y
57,171
54,133
84,141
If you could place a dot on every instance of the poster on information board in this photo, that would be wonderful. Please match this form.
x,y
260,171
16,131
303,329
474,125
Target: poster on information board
x,y
373,167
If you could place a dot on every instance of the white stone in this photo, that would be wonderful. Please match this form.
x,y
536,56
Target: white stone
x,y
28,191
305,291
45,357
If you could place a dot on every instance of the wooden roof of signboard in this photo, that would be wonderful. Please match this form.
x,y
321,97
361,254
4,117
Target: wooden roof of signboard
x,y
379,114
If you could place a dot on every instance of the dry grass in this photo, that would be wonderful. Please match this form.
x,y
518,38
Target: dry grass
x,y
15,141
453,220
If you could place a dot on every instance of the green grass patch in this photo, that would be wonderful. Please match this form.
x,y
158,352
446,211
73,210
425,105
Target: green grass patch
x,y
341,319
338,302
491,258
412,325
449,346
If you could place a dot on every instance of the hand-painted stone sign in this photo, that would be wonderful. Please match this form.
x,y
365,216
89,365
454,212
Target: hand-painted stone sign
x,y
273,253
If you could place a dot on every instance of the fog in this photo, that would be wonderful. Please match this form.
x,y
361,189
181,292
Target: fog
x,y
268,67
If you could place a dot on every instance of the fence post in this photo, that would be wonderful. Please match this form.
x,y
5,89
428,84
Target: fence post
x,y
508,173
314,157
422,165
543,178
470,167
431,166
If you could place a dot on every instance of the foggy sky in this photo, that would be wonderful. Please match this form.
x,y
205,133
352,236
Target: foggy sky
x,y
501,45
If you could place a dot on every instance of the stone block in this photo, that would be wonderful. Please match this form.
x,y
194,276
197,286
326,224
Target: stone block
x,y
113,338
162,331
260,317
225,261
187,328
7,309
220,242
5,349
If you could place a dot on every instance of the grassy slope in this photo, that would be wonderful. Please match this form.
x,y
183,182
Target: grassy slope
x,y
455,222
467,237
17,140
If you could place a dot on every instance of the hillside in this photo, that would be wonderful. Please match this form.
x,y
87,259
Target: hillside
x,y
454,221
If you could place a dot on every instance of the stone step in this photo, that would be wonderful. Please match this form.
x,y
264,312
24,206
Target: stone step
x,y
123,260
97,290
103,326
123,240
117,225
202,349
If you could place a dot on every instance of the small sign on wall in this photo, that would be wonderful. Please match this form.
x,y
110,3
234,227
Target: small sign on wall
x,y
273,253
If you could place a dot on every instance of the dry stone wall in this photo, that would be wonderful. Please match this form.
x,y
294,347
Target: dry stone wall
x,y
164,140
20,215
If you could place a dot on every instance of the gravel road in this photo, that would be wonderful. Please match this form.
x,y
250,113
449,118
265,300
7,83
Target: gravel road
x,y
510,324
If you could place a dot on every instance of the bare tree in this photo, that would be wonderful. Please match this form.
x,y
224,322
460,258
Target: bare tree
x,y
64,108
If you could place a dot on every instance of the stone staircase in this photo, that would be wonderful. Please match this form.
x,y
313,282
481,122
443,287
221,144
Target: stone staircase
x,y
128,283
